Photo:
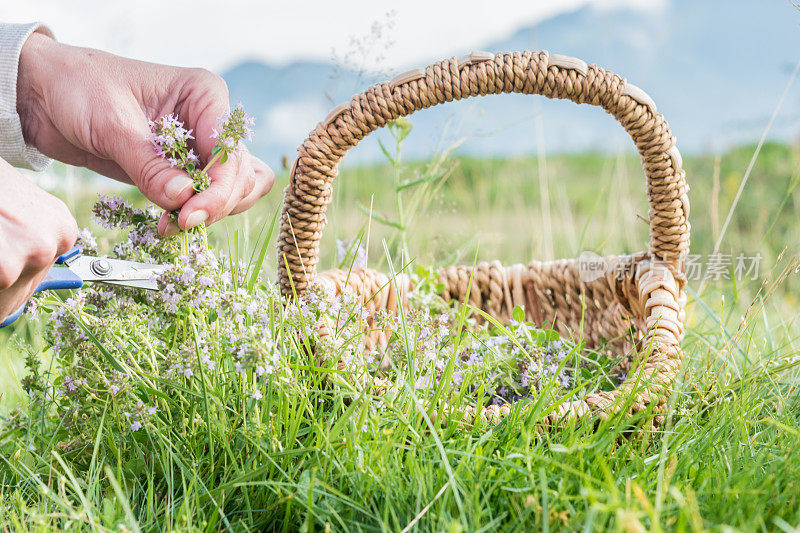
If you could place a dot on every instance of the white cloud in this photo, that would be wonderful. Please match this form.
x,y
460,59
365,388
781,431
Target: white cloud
x,y
290,120
217,34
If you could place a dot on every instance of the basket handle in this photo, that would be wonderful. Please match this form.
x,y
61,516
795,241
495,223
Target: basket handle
x,y
555,76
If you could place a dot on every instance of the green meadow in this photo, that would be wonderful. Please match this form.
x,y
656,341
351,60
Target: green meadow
x,y
727,457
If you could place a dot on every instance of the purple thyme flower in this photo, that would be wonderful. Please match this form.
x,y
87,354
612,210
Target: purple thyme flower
x,y
69,383
233,127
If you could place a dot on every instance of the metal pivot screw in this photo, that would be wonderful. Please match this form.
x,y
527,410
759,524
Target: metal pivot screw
x,y
101,267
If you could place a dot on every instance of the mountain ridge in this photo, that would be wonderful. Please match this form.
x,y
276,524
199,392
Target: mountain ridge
x,y
715,69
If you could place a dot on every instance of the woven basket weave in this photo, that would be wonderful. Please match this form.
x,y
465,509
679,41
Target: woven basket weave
x,y
636,304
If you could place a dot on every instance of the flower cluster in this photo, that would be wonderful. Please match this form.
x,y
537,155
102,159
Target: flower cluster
x,y
141,416
143,243
190,281
173,141
63,330
333,322
233,127
87,242
204,324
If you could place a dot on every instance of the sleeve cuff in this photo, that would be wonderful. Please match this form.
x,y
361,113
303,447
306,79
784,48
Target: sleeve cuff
x,y
12,144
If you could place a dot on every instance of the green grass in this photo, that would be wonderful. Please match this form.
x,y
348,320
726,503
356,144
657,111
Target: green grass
x,y
728,456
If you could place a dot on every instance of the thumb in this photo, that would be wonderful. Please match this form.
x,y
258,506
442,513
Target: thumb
x,y
162,183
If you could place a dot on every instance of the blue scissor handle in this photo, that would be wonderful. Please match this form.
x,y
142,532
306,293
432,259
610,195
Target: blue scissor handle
x,y
58,278
69,254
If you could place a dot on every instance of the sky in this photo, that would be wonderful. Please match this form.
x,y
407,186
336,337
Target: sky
x,y
217,35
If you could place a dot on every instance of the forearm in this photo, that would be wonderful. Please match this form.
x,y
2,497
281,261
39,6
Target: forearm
x,y
32,63
13,147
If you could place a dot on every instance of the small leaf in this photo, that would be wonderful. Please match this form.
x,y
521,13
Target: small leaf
x,y
386,153
256,267
383,220
545,336
407,184
519,313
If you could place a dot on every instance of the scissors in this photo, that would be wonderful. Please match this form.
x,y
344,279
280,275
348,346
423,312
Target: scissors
x,y
73,268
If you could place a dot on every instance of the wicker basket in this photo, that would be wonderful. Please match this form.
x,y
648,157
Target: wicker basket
x,y
633,303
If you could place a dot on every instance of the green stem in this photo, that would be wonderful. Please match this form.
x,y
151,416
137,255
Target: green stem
x,y
399,198
211,162
184,244
208,420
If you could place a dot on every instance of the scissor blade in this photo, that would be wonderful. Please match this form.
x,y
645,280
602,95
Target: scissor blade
x,y
138,284
117,271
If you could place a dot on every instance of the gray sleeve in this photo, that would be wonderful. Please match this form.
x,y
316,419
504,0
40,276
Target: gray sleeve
x,y
12,145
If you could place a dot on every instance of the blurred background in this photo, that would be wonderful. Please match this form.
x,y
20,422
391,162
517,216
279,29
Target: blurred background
x,y
716,68
508,177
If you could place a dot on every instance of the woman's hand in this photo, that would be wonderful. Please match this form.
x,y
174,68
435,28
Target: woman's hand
x,y
35,228
90,108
